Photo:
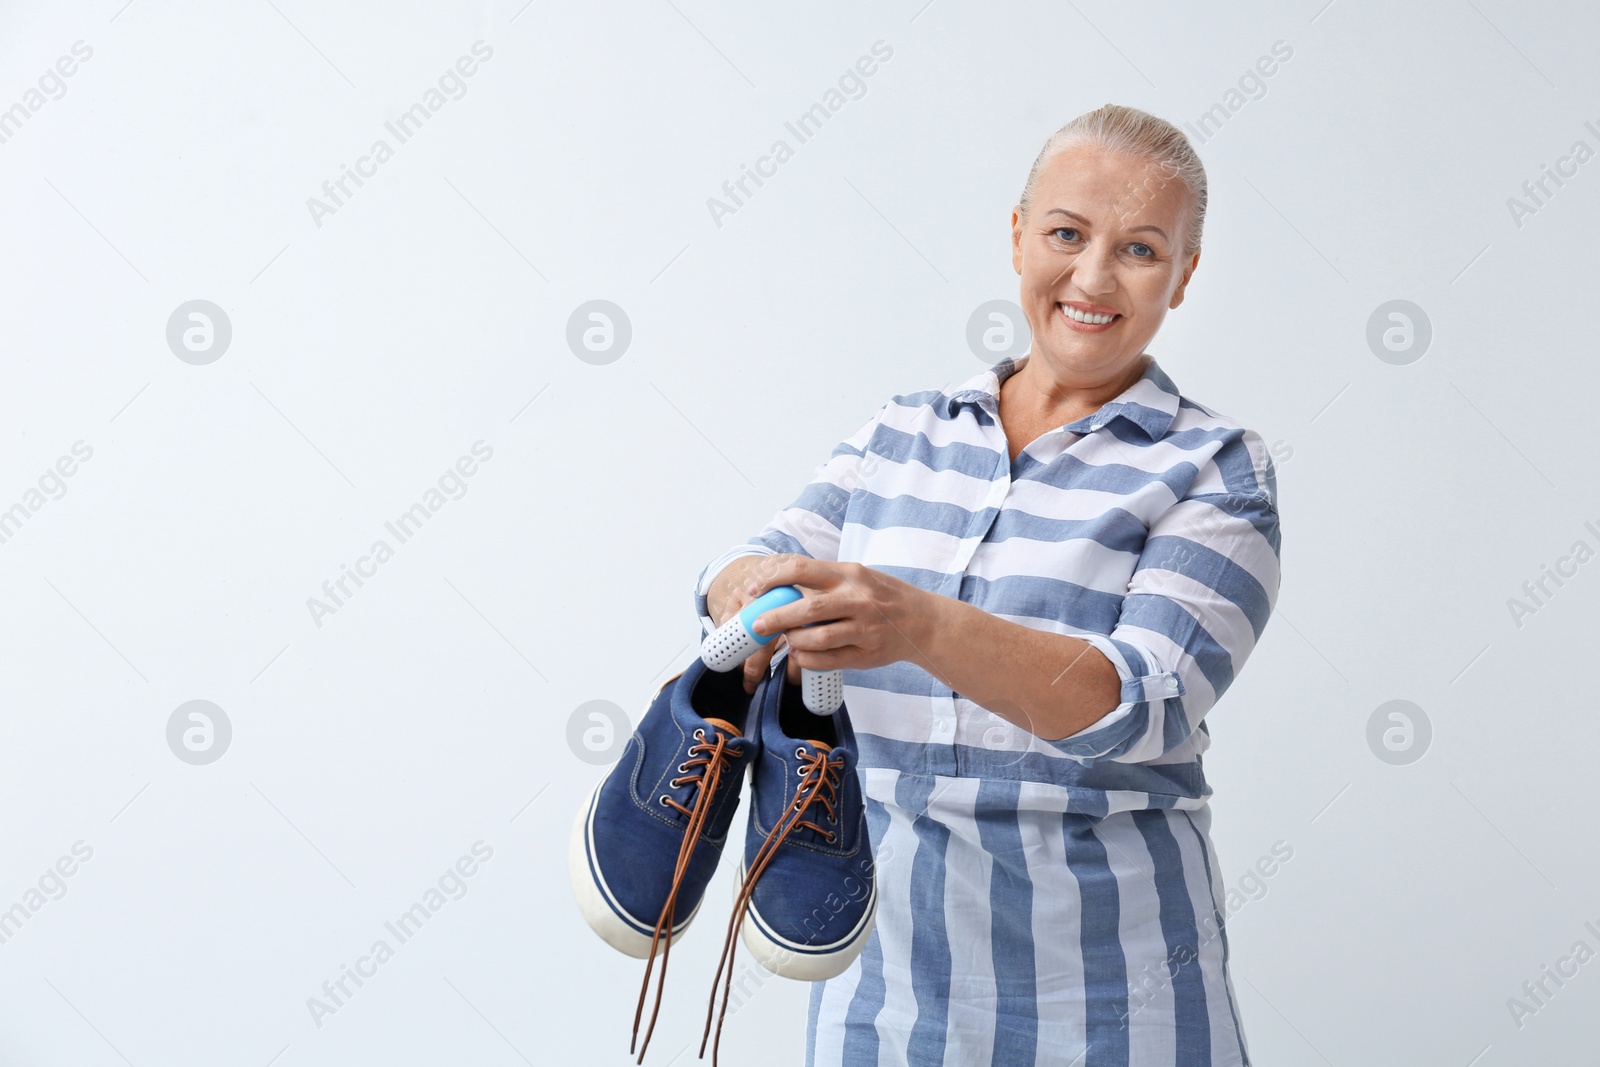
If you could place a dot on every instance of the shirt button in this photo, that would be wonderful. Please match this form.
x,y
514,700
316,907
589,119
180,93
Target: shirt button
x,y
941,725
1172,683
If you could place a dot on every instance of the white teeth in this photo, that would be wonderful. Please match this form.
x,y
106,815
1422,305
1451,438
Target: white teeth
x,y
1083,316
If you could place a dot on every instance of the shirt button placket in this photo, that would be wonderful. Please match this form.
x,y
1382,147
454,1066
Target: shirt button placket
x,y
943,727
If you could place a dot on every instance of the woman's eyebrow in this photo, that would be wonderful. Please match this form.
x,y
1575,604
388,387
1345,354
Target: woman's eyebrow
x,y
1080,218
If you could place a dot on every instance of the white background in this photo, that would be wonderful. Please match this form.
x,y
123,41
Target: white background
x,y
368,353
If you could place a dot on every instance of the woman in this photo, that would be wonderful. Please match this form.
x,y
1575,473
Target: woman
x,y
1037,583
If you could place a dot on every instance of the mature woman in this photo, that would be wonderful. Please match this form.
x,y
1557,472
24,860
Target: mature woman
x,y
1037,582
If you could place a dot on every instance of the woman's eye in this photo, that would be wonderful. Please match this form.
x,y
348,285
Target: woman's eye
x,y
1072,234
1142,251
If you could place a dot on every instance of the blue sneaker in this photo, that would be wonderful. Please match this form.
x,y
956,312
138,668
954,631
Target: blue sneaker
x,y
645,845
806,893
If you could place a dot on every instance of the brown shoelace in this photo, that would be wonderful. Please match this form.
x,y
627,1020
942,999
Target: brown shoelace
x,y
708,760
819,784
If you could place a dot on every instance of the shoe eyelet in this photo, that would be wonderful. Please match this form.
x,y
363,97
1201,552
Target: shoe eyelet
x,y
799,753
683,768
700,735
663,800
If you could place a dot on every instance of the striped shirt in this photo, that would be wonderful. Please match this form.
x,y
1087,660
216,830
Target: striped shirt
x,y
1045,898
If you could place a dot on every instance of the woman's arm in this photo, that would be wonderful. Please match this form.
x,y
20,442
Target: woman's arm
x,y
1049,684
1196,604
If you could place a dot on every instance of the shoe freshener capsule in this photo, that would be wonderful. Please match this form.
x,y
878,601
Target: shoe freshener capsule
x,y
735,641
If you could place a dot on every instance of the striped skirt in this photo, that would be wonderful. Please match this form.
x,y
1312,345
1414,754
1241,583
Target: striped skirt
x,y
1014,931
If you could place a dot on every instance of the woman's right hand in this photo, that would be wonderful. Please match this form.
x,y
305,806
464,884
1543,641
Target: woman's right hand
x,y
730,592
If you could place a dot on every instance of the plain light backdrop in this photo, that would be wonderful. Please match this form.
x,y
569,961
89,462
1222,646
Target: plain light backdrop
x,y
446,701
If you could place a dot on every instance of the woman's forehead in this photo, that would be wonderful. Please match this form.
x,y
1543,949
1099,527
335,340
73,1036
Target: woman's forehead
x,y
1094,183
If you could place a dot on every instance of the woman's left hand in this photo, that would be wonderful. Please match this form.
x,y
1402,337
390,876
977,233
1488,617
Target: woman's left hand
x,y
865,618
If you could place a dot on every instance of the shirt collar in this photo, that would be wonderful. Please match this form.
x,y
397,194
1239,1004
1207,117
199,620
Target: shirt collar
x,y
1151,403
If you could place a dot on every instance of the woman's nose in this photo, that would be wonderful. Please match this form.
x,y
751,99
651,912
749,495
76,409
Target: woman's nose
x,y
1094,271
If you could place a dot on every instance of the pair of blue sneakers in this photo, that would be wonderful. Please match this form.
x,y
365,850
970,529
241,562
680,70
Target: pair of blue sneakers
x,y
645,845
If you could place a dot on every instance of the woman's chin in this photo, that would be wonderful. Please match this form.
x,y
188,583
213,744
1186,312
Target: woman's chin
x,y
1082,350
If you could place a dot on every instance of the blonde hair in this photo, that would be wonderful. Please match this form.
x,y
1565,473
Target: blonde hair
x,y
1137,134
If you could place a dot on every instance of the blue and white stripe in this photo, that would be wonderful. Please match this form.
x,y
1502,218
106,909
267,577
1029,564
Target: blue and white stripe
x,y
1045,899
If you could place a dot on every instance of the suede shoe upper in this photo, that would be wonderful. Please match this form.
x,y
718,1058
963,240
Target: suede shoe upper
x,y
645,806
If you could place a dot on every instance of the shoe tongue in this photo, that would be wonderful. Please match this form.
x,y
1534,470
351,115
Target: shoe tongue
x,y
725,726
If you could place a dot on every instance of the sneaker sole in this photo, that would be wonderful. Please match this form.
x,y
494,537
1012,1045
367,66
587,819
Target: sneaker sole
x,y
622,931
803,962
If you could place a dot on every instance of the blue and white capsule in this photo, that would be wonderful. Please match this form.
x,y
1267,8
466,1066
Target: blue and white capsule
x,y
735,641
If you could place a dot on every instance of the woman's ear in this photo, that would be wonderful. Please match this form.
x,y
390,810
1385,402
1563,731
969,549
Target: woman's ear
x,y
1183,283
1016,239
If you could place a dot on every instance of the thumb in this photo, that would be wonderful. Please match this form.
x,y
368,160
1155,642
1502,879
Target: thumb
x,y
755,668
791,668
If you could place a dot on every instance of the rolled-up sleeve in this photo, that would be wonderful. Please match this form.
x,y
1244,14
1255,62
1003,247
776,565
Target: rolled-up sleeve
x,y
1197,602
812,524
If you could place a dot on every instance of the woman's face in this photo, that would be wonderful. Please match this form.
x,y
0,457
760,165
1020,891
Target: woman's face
x,y
1105,237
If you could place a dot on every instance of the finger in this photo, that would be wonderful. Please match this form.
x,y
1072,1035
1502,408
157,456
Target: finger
x,y
794,569
763,576
766,574
755,668
777,620
823,636
832,659
809,609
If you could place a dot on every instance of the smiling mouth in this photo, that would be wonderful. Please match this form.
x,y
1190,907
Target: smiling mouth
x,y
1084,318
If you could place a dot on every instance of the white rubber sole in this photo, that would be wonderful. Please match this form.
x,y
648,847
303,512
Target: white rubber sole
x,y
802,962
595,900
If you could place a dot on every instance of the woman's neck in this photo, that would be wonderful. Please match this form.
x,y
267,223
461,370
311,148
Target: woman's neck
x,y
1033,389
